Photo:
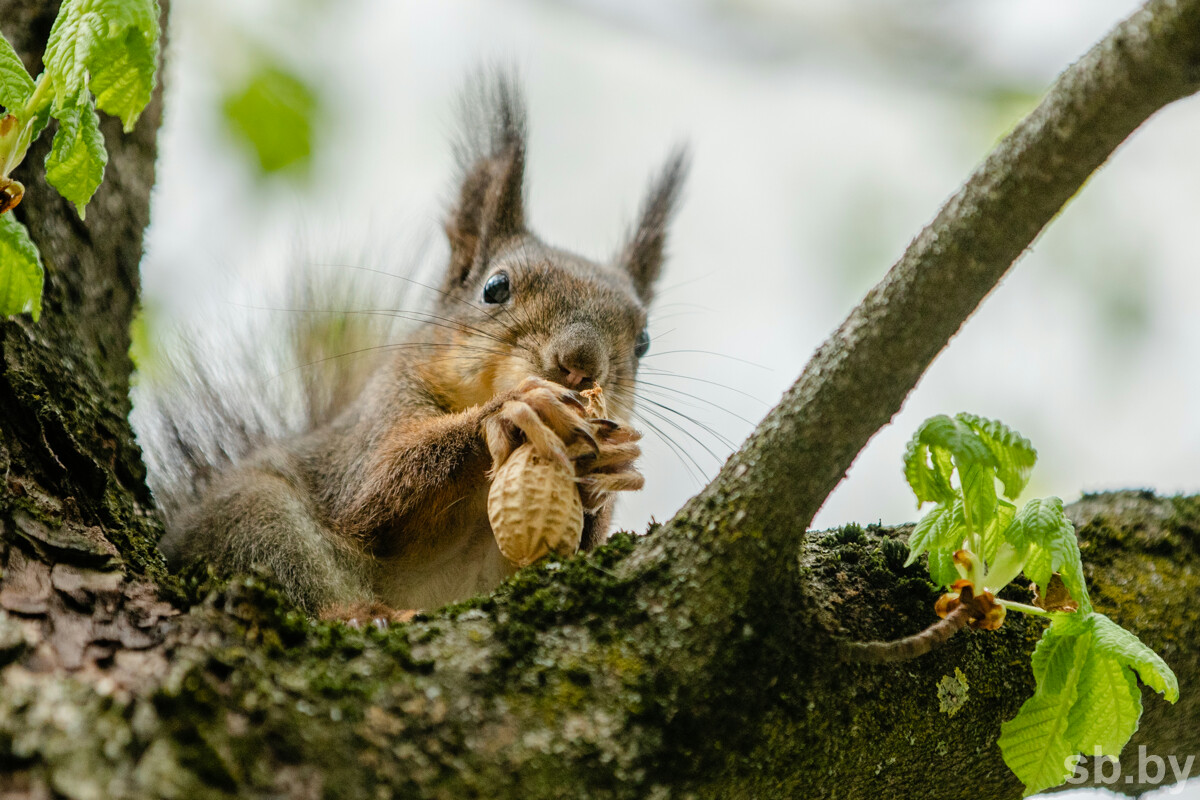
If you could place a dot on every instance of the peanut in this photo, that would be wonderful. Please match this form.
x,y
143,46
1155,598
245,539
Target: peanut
x,y
534,504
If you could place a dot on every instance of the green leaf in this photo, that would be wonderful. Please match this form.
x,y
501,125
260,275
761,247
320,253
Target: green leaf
x,y
948,443
123,78
15,84
1054,656
1014,454
941,531
979,493
1035,742
20,270
1043,527
113,40
993,534
273,114
1120,644
962,442
1040,522
942,570
75,165
927,482
1108,706
1084,663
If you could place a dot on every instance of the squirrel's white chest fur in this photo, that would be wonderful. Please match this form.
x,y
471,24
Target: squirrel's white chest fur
x,y
462,562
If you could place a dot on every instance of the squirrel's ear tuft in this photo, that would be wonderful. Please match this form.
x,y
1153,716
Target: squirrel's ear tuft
x,y
491,155
643,254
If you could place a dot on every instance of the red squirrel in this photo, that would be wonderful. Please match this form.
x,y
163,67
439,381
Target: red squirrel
x,y
381,506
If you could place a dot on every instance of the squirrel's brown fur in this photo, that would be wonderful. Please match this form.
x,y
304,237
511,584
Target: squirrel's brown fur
x,y
384,504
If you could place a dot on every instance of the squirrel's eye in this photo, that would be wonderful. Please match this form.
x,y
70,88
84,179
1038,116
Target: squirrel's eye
x,y
497,289
642,344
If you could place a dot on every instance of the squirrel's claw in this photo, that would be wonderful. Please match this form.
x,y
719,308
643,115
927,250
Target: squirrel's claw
x,y
354,615
547,416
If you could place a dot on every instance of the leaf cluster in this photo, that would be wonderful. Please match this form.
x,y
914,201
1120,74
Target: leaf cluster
x,y
101,54
1086,666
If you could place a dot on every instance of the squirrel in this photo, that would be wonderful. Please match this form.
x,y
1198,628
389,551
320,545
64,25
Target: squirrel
x,y
380,505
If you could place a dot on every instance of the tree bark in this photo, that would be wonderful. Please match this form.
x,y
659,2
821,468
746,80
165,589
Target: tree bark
x,y
696,661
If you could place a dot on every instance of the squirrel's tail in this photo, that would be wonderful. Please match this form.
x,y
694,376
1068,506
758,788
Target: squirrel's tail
x,y
209,392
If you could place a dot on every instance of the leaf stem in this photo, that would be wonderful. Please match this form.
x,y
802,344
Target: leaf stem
x,y
974,540
1024,608
28,117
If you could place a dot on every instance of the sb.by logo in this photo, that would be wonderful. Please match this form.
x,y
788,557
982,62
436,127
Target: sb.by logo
x,y
1151,770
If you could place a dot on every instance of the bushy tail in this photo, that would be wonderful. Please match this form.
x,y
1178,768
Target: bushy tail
x,y
241,374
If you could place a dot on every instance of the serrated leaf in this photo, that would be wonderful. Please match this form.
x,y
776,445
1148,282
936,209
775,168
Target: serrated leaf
x,y
993,534
924,532
1118,643
72,38
1043,527
979,493
942,570
962,442
940,533
15,84
75,165
926,481
1014,454
1084,663
273,114
1035,743
1054,657
20,270
1040,522
1107,708
91,38
123,76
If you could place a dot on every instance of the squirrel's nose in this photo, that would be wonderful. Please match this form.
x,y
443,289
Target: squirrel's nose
x,y
580,364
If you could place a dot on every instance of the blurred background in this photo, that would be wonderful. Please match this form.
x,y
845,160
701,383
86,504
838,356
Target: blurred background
x,y
825,134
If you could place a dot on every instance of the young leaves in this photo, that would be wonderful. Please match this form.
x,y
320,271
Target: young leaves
x,y
105,47
1043,531
123,76
100,54
940,533
1087,700
108,46
1036,743
1014,454
980,450
15,84
20,270
75,165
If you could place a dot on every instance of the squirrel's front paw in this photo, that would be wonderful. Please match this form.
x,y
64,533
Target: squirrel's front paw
x,y
356,615
548,416
611,468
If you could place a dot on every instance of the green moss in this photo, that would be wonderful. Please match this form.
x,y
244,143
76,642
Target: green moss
x,y
851,533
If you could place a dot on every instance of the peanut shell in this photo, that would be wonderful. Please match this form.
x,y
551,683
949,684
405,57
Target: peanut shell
x,y
595,403
534,508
